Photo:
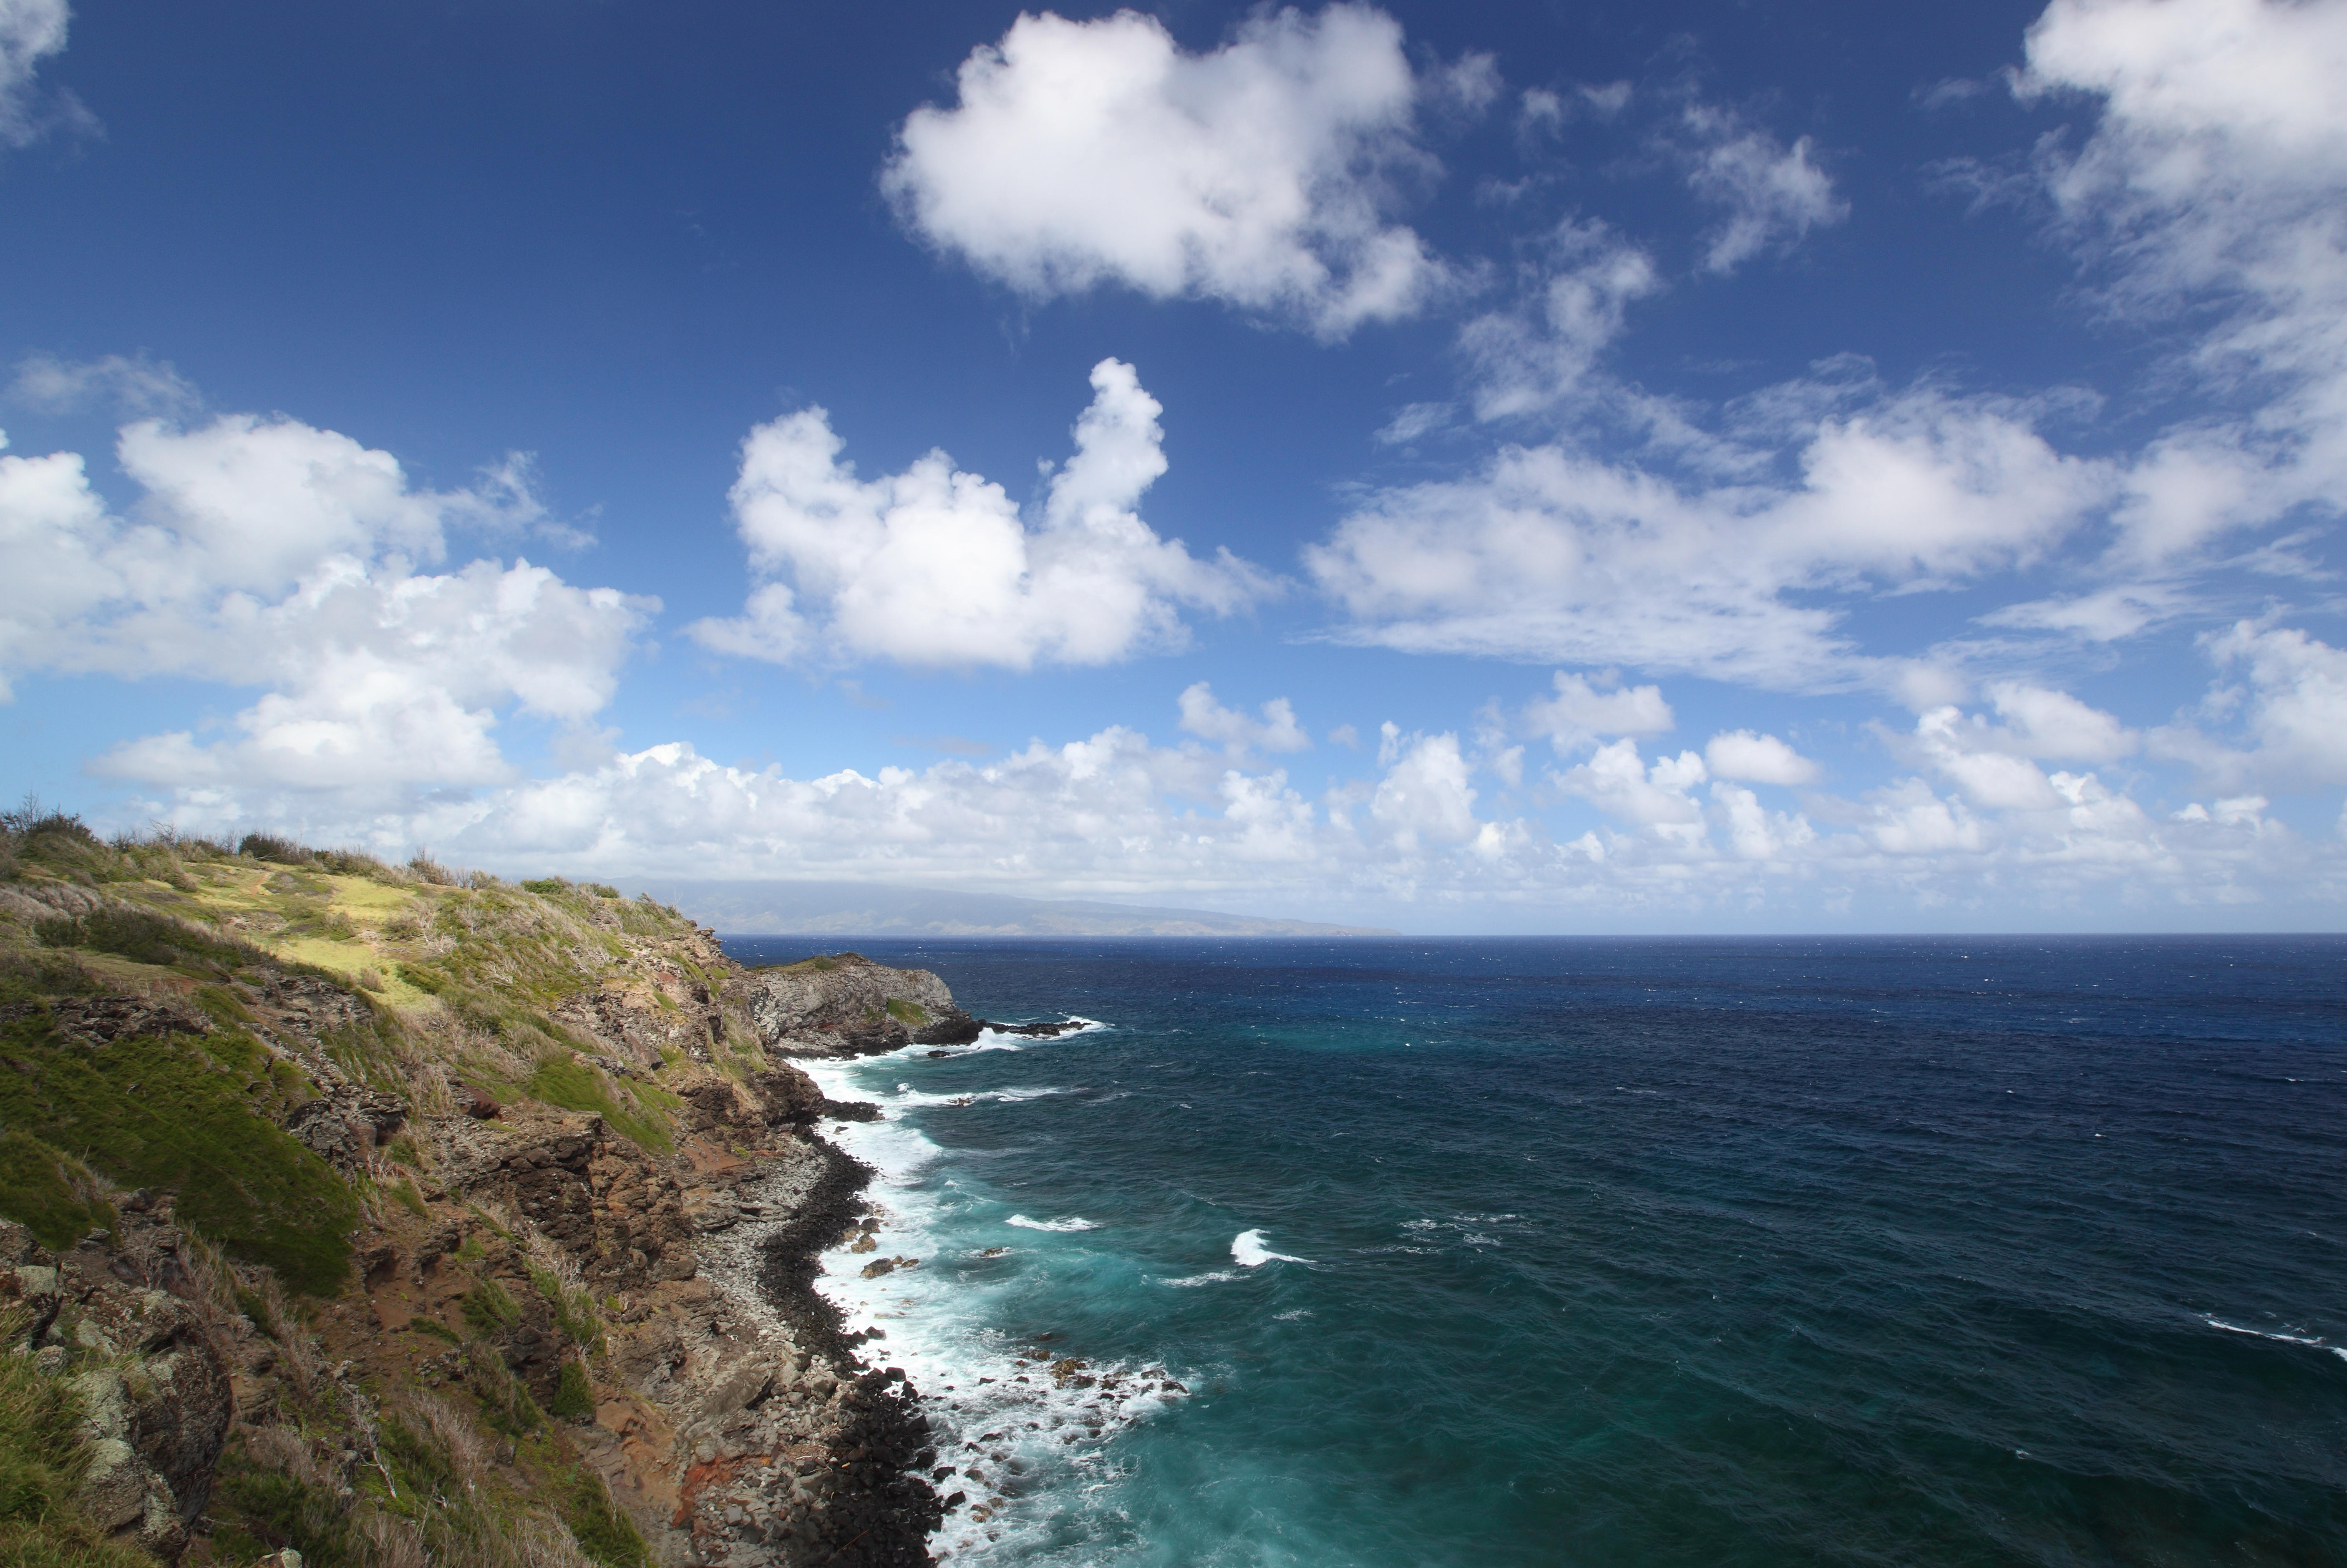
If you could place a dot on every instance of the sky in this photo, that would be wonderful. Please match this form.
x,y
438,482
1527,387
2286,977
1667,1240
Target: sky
x,y
1528,467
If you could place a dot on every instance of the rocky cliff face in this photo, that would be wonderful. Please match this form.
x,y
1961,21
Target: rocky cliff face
x,y
537,1159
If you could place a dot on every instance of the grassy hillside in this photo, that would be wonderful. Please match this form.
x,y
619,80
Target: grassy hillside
x,y
169,1005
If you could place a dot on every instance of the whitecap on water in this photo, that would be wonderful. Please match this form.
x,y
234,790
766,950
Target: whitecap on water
x,y
2315,1344
1072,1223
1248,1248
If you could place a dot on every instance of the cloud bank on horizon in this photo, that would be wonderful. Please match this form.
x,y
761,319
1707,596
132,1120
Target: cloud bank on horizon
x,y
1588,634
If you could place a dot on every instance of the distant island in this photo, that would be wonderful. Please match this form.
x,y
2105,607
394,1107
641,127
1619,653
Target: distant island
x,y
860,909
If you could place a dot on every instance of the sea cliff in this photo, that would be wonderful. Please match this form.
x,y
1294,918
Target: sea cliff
x,y
389,1217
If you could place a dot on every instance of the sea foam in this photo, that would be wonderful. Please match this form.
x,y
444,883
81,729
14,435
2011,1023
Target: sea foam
x,y
1023,1434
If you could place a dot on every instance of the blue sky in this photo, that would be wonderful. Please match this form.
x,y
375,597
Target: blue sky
x,y
1672,467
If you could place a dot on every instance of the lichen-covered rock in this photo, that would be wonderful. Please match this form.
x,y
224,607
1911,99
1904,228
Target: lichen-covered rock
x,y
153,1385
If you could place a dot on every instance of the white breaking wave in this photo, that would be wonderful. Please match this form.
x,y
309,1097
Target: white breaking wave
x,y
1189,1281
1249,1249
1025,1428
2338,1351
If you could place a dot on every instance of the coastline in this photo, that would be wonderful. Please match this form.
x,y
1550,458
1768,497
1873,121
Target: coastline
x,y
1009,1417
880,1508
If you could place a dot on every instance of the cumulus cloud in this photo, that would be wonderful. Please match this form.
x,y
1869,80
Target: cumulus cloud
x,y
1772,195
1258,174
1115,816
1276,730
935,566
1618,783
1547,553
1424,797
270,553
1579,712
1762,759
2043,722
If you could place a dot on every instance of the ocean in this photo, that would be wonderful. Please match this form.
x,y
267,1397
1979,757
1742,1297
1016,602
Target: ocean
x,y
1621,1253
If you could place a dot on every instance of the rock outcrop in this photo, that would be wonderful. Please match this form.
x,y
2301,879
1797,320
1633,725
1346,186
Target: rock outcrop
x,y
118,1318
844,1004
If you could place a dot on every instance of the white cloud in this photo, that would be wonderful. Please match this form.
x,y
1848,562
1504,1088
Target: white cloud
x,y
1575,302
2043,723
1959,749
1084,152
1115,815
1412,421
132,384
271,554
2103,615
2291,712
935,566
1763,759
1773,194
2209,192
1424,797
1549,554
1620,785
1580,712
30,32
1756,833
1276,730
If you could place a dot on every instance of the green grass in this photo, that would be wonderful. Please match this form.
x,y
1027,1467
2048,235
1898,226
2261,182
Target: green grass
x,y
574,1308
574,1086
187,1115
602,1531
904,1011
45,1191
409,1198
267,1508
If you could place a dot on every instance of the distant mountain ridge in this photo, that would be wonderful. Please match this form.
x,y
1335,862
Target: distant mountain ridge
x,y
861,909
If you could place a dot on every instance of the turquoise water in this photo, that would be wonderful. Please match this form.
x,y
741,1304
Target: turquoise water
x,y
1626,1253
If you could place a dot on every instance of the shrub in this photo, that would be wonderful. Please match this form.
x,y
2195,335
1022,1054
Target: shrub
x,y
575,1399
489,1307
32,820
269,846
145,938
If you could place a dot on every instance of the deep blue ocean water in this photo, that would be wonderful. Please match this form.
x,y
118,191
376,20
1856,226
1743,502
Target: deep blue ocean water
x,y
1625,1253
